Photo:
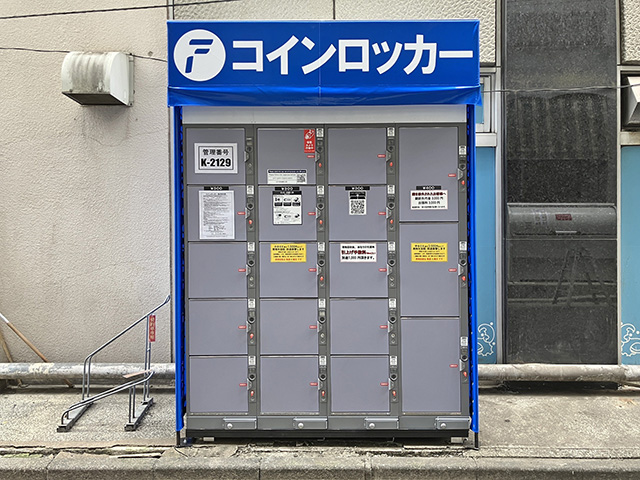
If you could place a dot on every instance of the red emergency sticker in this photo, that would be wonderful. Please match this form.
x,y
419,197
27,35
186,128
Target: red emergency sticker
x,y
152,328
309,140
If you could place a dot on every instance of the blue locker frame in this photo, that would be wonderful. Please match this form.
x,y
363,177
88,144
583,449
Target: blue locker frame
x,y
454,93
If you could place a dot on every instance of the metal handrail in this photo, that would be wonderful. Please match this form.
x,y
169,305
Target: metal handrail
x,y
86,371
111,391
135,415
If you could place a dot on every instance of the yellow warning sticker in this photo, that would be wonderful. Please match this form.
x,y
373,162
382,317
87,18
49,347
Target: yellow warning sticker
x,y
428,252
288,252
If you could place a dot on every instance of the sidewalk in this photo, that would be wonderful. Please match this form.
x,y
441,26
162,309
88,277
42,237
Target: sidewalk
x,y
526,434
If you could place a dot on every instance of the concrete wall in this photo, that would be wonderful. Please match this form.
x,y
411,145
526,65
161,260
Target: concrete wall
x,y
630,26
485,10
84,191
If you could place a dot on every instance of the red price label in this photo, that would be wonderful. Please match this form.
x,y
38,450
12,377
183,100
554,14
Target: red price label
x,y
152,328
309,140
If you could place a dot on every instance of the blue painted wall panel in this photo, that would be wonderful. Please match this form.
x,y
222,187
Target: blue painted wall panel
x,y
486,254
630,254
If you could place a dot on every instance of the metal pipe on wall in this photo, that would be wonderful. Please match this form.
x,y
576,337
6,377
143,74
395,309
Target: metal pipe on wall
x,y
164,372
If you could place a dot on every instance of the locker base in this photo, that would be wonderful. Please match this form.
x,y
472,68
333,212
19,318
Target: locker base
x,y
351,434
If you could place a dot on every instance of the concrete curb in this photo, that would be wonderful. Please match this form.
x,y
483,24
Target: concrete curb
x,y
74,466
24,468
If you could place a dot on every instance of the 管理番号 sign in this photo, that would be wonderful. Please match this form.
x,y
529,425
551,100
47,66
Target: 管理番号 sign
x,y
323,63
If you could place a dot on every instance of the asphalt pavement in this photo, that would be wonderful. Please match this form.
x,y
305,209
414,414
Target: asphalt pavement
x,y
525,432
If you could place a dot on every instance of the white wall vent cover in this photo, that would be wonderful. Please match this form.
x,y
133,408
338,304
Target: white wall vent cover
x,y
98,78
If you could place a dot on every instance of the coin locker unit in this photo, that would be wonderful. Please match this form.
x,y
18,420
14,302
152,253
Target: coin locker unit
x,y
324,259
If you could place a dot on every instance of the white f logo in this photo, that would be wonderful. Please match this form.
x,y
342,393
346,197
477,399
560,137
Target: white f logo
x,y
199,55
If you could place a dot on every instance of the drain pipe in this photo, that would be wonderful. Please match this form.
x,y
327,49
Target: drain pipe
x,y
544,372
164,372
101,373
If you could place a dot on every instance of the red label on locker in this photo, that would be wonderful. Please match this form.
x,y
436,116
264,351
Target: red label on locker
x,y
454,365
453,269
309,140
152,328
382,155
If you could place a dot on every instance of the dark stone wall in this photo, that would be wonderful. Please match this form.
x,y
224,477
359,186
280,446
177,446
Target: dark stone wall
x,y
561,148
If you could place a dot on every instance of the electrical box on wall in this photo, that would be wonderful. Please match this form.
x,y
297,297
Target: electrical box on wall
x,y
98,78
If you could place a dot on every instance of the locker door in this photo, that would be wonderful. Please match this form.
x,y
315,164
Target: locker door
x,y
357,155
288,279
218,385
195,205
217,327
429,283
217,270
281,157
287,215
359,384
358,278
289,327
357,212
214,138
289,385
428,161
359,327
429,369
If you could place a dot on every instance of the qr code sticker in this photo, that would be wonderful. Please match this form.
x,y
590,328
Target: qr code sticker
x,y
357,206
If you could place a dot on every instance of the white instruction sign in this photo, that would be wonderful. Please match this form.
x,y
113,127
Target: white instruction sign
x,y
429,199
286,177
217,220
358,252
216,157
287,207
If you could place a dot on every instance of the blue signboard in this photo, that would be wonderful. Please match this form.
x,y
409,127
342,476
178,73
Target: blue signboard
x,y
323,63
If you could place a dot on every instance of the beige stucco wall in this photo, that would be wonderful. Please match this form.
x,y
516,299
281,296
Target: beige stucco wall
x,y
84,191
484,10
630,26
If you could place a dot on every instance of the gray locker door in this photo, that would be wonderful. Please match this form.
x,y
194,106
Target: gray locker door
x,y
283,149
359,384
429,370
213,137
359,327
193,214
289,385
218,385
428,156
217,327
346,223
357,155
289,327
288,280
270,229
216,270
429,288
358,279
